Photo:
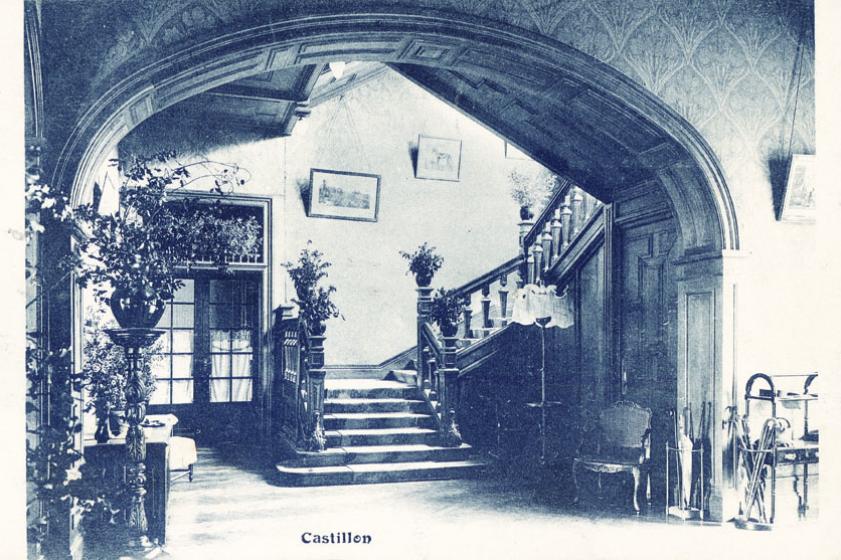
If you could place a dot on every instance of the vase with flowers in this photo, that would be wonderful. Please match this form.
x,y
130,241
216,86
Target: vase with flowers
x,y
446,310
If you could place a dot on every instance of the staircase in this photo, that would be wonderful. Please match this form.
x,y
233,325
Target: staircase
x,y
377,431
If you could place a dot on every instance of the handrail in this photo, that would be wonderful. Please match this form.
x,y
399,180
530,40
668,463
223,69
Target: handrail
x,y
548,210
507,267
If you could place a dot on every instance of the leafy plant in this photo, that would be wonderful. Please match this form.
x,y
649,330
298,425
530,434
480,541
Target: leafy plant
x,y
313,300
139,248
531,191
447,308
424,262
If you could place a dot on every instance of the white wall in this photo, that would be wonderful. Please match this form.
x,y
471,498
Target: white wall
x,y
472,222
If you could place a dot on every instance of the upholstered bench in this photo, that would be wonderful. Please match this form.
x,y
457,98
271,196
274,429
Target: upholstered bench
x,y
182,456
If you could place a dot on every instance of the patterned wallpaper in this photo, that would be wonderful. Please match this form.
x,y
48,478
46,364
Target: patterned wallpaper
x,y
733,68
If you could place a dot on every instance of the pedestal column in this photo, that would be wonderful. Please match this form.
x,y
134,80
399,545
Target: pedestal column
x,y
133,341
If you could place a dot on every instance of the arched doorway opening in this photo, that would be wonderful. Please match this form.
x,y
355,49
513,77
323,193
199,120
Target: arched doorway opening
x,y
575,115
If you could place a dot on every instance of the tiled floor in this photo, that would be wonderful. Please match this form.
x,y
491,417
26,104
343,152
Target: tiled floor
x,y
232,511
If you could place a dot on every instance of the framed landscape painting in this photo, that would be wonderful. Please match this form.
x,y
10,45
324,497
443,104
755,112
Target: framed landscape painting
x,y
344,195
438,158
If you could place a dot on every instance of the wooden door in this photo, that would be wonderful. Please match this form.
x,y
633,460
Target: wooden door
x,y
647,353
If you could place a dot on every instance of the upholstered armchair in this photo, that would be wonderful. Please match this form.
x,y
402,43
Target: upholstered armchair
x,y
620,442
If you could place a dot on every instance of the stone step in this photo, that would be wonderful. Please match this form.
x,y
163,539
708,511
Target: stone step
x,y
369,473
342,405
367,389
373,420
380,436
408,376
356,454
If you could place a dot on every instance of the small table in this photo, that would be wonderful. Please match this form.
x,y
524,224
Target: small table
x,y
109,459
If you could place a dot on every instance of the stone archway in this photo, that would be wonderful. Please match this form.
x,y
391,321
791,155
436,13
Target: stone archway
x,y
619,134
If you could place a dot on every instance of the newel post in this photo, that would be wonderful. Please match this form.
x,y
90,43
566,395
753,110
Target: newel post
x,y
316,440
450,435
424,309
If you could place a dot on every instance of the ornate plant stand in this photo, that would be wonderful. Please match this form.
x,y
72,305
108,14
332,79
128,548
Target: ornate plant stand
x,y
137,398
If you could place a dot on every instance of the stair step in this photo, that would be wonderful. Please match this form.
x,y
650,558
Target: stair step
x,y
378,472
408,376
356,454
342,405
370,420
367,388
380,436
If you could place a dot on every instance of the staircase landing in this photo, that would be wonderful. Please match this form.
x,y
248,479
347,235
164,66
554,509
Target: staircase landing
x,y
378,431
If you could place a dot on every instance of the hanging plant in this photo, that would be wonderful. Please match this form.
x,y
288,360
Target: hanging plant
x,y
313,300
424,262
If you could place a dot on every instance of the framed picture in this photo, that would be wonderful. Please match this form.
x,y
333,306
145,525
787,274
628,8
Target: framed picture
x,y
438,158
798,204
344,195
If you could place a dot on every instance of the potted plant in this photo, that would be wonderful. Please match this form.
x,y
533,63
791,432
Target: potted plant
x,y
423,263
131,257
446,311
314,301
530,192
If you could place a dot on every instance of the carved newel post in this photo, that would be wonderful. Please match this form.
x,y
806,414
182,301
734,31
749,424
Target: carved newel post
x,y
449,429
133,341
316,440
424,309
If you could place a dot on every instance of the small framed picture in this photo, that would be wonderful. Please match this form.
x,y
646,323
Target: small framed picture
x,y
798,200
438,158
344,195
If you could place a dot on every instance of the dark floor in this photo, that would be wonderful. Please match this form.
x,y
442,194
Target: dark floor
x,y
231,510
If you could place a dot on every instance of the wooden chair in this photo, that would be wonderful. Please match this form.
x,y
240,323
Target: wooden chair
x,y
620,443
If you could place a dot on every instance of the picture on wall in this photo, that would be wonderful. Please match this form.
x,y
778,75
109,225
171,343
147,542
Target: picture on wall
x,y
798,204
344,195
438,158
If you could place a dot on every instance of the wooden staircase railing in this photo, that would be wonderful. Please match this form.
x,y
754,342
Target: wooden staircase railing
x,y
440,359
299,414
544,243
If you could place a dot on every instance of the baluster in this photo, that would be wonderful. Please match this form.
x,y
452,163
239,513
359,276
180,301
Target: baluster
x,y
447,396
530,266
433,375
577,199
423,369
503,299
487,324
566,215
556,234
538,261
424,307
468,316
546,244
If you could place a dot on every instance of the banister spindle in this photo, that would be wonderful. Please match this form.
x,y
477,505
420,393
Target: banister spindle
x,y
503,299
538,260
556,234
577,213
566,215
487,324
530,266
467,313
546,244
423,369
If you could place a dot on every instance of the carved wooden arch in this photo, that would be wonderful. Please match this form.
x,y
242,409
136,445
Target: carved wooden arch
x,y
684,164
